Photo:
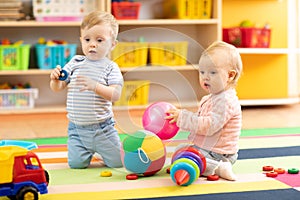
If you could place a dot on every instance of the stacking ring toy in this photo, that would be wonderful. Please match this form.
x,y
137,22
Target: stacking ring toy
x,y
272,174
214,177
279,170
189,155
192,174
267,168
106,173
293,171
132,176
193,150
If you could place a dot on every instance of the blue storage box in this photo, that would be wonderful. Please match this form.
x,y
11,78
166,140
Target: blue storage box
x,y
48,57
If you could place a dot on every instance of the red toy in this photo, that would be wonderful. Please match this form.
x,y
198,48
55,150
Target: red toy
x,y
213,177
272,174
132,176
268,168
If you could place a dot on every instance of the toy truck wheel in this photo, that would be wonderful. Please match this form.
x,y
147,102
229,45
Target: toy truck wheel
x,y
27,193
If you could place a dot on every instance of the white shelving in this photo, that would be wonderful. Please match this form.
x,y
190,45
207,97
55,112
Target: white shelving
x,y
199,32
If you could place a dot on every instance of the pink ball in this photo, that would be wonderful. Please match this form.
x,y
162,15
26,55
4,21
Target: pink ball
x,y
154,120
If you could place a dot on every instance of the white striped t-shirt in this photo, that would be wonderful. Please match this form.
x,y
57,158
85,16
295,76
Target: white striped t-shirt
x,y
86,107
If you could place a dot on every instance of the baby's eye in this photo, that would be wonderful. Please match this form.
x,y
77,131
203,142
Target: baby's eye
x,y
87,39
99,40
201,72
213,72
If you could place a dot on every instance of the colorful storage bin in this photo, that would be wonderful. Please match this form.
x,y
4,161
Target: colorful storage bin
x,y
62,10
126,10
18,98
168,53
14,57
48,57
247,37
130,54
187,9
134,93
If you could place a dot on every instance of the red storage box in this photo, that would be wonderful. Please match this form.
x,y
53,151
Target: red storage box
x,y
247,37
126,10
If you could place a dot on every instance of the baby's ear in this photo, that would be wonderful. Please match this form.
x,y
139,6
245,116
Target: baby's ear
x,y
114,44
231,75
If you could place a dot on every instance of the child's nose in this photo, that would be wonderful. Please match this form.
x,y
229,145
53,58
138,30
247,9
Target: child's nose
x,y
93,44
205,76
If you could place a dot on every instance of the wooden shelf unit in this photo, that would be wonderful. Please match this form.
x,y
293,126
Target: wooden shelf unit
x,y
200,32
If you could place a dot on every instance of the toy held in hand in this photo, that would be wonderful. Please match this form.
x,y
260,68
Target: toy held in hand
x,y
143,153
63,75
154,120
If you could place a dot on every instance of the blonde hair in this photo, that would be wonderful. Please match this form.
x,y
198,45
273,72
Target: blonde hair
x,y
232,55
101,17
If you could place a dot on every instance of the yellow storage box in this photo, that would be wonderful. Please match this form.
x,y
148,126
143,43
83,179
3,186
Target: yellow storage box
x,y
187,9
130,54
134,93
168,53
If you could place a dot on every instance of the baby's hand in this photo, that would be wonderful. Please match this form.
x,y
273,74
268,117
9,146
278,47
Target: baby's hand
x,y
172,115
55,73
86,83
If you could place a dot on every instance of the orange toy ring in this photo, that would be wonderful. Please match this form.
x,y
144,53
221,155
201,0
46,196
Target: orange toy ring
x,y
279,170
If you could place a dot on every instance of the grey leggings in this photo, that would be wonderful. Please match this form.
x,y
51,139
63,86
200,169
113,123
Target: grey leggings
x,y
213,159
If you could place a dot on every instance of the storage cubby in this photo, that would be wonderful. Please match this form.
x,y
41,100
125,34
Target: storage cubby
x,y
176,84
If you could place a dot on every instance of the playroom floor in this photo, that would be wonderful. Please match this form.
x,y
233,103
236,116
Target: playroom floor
x,y
253,117
34,126
271,116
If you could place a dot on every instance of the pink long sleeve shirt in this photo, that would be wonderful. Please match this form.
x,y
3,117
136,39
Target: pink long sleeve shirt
x,y
217,124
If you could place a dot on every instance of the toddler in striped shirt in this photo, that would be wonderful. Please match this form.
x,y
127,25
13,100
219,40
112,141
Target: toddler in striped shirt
x,y
93,83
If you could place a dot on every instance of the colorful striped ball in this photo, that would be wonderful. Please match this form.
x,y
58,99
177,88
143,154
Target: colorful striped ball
x,y
143,153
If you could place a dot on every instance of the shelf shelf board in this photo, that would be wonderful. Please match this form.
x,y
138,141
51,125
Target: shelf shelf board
x,y
158,68
32,23
264,50
25,72
168,21
279,101
123,70
36,110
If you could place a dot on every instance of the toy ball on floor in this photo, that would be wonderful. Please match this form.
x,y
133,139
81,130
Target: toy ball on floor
x,y
143,153
154,120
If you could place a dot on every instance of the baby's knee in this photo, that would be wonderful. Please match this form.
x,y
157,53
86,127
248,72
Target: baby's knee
x,y
117,163
77,165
